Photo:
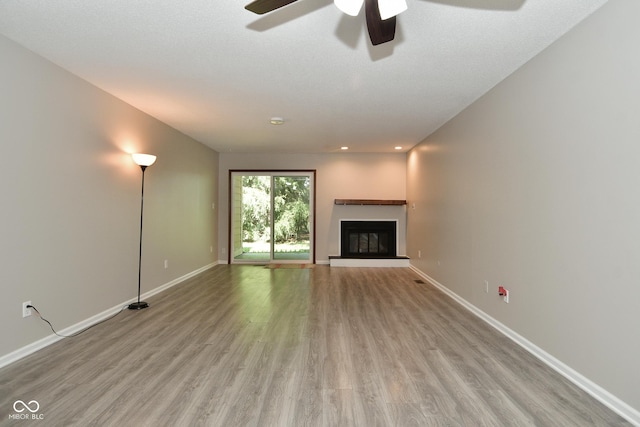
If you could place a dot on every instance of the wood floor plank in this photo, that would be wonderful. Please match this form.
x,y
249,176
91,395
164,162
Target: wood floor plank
x,y
242,345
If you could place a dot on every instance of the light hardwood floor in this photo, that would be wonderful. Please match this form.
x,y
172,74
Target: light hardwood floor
x,y
251,346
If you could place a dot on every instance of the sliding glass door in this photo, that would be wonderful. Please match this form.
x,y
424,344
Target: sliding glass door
x,y
272,216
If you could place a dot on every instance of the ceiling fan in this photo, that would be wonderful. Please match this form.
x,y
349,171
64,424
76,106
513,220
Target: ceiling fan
x,y
380,14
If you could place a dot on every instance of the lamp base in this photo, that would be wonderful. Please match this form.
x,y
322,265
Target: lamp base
x,y
138,305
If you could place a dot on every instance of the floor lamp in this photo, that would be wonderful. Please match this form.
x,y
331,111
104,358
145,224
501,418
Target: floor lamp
x,y
142,160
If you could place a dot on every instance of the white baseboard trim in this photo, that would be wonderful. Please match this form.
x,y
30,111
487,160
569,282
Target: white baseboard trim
x,y
609,400
18,354
28,349
175,282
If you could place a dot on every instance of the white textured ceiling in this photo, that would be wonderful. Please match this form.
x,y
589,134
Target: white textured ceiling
x,y
218,72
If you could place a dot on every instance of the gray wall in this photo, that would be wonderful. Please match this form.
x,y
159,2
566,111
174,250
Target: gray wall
x,y
339,176
70,217
535,187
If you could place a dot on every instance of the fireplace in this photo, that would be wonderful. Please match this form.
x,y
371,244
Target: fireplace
x,y
367,239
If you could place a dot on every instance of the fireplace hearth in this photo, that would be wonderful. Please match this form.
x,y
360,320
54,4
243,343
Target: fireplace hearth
x,y
368,239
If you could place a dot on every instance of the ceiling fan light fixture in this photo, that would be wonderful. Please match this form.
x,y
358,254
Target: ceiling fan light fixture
x,y
350,7
391,8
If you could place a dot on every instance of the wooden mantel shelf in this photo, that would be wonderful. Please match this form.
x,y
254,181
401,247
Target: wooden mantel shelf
x,y
370,202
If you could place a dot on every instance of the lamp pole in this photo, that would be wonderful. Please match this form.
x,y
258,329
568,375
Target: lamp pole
x,y
143,160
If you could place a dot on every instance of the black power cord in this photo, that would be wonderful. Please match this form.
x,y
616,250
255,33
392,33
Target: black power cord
x,y
79,332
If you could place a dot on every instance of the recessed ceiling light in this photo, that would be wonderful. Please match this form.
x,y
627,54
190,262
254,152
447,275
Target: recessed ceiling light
x,y
397,147
344,148
276,121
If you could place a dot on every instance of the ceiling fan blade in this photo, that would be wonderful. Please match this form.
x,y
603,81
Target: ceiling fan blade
x,y
263,6
380,31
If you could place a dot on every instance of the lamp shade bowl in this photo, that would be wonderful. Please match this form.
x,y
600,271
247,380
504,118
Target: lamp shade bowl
x,y
143,159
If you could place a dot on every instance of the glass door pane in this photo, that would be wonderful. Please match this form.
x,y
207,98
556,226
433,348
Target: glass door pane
x,y
292,218
251,233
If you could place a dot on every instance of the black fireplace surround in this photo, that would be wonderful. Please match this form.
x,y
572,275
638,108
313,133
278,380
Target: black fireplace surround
x,y
367,239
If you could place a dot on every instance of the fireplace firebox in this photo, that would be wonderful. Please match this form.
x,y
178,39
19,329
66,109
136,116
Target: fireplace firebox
x,y
367,239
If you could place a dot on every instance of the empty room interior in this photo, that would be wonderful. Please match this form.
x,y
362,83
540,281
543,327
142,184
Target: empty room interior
x,y
348,218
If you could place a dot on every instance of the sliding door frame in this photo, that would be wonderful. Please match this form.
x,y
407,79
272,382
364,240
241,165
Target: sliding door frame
x,y
271,172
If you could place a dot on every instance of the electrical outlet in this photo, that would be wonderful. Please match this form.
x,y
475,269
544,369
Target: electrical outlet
x,y
504,293
486,286
26,311
166,263
419,254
